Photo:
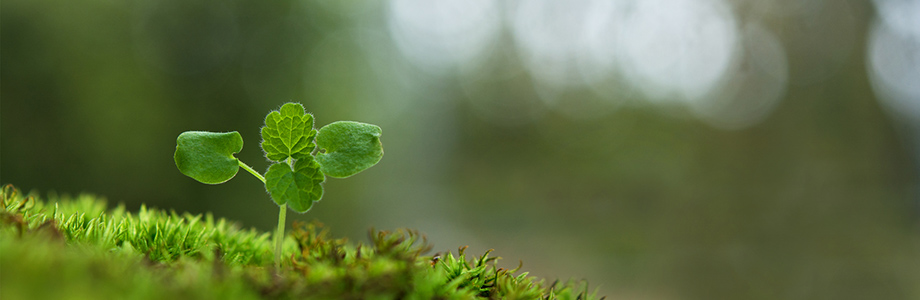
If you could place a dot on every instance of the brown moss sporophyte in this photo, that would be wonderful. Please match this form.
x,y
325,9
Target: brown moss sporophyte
x,y
301,157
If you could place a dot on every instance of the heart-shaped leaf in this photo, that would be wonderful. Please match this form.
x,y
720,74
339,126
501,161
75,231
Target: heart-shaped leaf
x,y
208,156
288,133
298,188
349,147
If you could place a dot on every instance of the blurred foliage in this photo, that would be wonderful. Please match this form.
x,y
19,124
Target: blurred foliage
x,y
818,201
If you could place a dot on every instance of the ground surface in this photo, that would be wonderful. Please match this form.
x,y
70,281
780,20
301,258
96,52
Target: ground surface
x,y
79,248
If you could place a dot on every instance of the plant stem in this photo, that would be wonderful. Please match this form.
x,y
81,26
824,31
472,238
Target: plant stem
x,y
282,214
279,235
251,171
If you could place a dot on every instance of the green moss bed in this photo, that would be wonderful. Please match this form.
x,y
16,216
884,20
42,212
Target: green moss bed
x,y
79,248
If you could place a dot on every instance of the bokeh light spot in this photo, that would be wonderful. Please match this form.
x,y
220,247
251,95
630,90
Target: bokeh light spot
x,y
440,36
757,83
677,50
894,62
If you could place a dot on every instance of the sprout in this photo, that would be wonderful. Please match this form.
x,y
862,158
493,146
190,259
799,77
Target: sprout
x,y
290,142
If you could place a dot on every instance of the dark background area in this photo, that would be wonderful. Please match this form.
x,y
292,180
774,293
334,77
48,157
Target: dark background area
x,y
661,150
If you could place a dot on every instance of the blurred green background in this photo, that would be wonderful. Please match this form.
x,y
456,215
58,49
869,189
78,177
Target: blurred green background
x,y
684,149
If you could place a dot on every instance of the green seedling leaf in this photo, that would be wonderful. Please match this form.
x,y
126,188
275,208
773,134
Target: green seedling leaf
x,y
288,132
298,188
208,156
348,148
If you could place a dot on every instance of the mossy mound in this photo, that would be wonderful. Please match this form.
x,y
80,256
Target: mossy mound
x,y
78,248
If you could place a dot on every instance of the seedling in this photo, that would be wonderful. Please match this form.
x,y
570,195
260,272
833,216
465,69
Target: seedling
x,y
301,157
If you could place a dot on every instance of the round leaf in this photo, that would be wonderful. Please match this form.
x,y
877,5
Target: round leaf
x,y
288,132
208,156
349,147
298,188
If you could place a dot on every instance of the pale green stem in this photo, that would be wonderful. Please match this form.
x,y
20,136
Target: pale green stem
x,y
279,235
251,171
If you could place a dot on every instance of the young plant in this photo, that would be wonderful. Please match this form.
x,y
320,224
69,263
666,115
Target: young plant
x,y
301,157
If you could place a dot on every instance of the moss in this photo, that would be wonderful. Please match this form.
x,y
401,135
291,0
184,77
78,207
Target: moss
x,y
77,248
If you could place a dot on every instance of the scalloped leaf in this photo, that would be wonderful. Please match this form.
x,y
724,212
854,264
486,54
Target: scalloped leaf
x,y
288,132
208,156
298,187
348,148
